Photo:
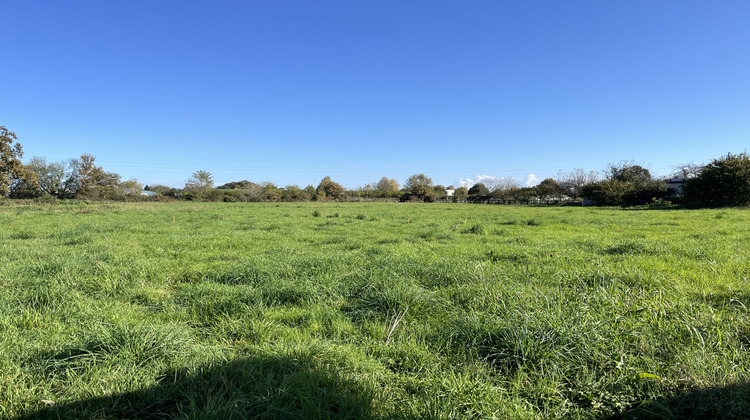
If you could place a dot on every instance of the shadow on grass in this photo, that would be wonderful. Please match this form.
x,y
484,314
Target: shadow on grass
x,y
256,387
728,402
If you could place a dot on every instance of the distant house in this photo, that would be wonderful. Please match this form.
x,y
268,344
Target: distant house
x,y
449,193
149,193
675,184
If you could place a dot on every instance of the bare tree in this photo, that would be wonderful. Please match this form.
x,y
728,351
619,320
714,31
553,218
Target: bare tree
x,y
687,171
507,183
572,182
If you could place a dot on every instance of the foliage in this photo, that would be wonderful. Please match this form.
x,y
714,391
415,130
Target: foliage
x,y
238,185
626,184
199,181
573,182
418,187
295,193
160,189
386,185
131,187
479,190
93,182
329,190
725,182
51,176
200,187
548,189
270,192
12,171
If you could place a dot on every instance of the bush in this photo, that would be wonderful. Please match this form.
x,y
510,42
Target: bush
x,y
627,184
480,190
725,182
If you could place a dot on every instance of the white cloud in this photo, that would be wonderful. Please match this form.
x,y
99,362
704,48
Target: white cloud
x,y
484,179
530,180
493,182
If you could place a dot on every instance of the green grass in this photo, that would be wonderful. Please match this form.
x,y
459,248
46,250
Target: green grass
x,y
309,310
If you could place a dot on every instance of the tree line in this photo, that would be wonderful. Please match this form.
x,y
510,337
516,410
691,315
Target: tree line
x,y
724,181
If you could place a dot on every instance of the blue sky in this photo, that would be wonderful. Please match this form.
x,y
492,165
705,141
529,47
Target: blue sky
x,y
292,91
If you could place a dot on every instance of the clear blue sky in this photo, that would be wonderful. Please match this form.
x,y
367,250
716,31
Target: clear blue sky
x,y
292,91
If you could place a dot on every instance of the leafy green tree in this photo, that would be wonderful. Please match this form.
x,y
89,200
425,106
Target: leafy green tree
x,y
420,187
479,190
461,192
387,185
628,172
93,182
270,192
294,193
329,190
199,186
722,183
200,180
310,191
131,187
51,176
160,189
238,185
12,172
626,184
548,189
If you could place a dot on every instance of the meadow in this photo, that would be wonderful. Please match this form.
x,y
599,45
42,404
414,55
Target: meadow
x,y
372,310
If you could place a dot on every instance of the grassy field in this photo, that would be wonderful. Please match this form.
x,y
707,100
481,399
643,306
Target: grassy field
x,y
307,310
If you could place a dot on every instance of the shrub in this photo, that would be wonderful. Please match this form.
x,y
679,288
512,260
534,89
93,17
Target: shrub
x,y
625,186
479,190
723,182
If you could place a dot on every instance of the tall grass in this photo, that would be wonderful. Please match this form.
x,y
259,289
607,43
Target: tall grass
x,y
308,310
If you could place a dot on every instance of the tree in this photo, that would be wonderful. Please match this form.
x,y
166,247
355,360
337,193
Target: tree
x,y
506,184
310,191
573,181
238,185
687,171
461,192
51,176
628,172
548,189
131,187
12,171
626,184
294,193
723,182
200,181
420,187
479,190
387,185
93,182
440,191
160,189
329,190
270,192
365,191
199,186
